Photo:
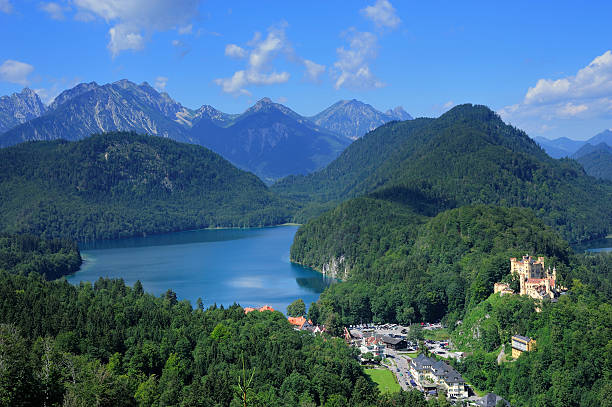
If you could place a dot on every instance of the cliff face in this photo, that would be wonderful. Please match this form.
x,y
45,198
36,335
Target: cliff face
x,y
19,108
337,267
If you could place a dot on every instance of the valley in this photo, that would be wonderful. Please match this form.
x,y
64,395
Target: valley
x,y
305,204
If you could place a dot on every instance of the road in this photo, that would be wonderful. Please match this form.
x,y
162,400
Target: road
x,y
401,363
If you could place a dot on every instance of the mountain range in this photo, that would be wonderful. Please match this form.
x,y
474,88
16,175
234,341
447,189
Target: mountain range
x,y
268,139
116,185
466,156
20,107
353,119
565,147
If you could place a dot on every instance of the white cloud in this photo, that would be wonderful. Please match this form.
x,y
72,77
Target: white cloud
x,y
448,105
160,83
592,81
234,51
84,16
586,95
352,69
6,6
54,10
182,48
15,72
313,70
382,14
260,56
122,38
134,20
187,29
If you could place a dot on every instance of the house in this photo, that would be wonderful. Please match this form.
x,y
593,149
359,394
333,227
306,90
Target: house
x,y
433,374
373,345
522,344
420,367
300,323
491,400
394,343
449,380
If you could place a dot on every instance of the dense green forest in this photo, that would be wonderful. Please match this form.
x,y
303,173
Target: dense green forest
x,y
572,363
405,267
596,160
124,184
25,254
107,344
466,156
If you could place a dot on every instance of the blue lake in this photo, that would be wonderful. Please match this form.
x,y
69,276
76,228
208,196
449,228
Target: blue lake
x,y
247,266
599,245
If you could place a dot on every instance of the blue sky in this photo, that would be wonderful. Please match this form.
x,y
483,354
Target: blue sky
x,y
545,66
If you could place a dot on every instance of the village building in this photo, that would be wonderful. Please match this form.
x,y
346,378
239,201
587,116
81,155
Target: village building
x,y
394,342
431,374
261,309
491,400
372,345
522,344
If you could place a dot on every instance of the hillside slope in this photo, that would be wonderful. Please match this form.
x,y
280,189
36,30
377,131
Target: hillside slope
x,y
123,184
466,156
596,160
400,267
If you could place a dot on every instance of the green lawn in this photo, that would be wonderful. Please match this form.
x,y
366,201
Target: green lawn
x,y
411,355
436,334
387,383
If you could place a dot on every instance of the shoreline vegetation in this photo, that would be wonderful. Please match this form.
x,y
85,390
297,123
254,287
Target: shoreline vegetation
x,y
195,230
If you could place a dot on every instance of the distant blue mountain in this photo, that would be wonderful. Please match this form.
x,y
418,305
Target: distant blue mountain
x,y
596,159
353,119
566,147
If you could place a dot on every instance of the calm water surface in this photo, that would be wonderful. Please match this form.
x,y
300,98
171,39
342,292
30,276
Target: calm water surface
x,y
600,245
247,266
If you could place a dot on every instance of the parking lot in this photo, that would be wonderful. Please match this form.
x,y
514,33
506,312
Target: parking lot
x,y
398,361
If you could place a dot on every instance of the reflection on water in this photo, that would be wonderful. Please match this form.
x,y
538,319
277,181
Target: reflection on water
x,y
599,245
191,236
247,266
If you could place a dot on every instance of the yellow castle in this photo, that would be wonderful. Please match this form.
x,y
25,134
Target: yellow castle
x,y
535,281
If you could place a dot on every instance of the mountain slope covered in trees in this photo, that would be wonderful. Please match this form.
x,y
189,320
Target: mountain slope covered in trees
x,y
466,156
405,267
25,254
596,160
123,184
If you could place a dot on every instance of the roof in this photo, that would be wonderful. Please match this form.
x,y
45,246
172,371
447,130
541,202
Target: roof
x,y
298,321
536,280
390,340
264,308
490,400
421,361
522,338
446,372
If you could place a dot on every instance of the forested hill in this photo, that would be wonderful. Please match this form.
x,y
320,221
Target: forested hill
x,y
123,184
466,156
26,254
402,267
